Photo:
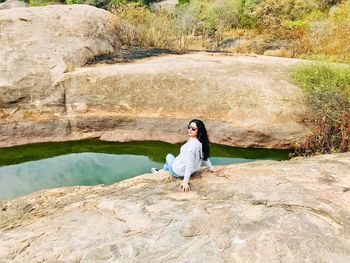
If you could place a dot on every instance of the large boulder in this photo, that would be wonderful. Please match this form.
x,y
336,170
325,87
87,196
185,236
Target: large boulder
x,y
39,44
245,101
267,211
12,4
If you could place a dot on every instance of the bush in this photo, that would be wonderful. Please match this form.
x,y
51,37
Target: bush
x,y
182,2
322,76
327,88
44,2
136,25
214,17
184,24
271,15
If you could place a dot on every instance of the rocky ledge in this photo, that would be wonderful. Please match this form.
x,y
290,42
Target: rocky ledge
x,y
267,211
245,101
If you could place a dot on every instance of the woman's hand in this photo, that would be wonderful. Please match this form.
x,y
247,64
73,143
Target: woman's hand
x,y
215,169
185,187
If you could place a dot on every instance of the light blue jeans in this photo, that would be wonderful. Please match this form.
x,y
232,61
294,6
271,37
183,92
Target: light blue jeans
x,y
168,165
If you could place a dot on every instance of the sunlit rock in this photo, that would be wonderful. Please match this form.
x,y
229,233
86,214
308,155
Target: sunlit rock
x,y
267,211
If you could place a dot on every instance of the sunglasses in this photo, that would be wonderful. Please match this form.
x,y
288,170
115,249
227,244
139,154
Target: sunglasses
x,y
191,128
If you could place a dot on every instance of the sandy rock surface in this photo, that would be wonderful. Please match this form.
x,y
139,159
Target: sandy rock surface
x,y
245,101
39,44
267,211
12,4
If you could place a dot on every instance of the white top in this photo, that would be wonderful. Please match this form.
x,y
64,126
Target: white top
x,y
190,159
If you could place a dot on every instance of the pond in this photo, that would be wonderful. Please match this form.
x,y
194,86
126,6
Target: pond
x,y
29,168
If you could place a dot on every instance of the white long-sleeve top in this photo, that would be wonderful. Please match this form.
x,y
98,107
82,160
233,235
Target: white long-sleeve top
x,y
190,159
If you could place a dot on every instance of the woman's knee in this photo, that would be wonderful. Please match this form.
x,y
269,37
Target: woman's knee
x,y
169,157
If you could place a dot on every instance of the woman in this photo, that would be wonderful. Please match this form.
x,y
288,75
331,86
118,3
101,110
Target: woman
x,y
192,153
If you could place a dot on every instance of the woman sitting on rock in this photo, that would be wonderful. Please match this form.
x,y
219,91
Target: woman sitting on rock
x,y
192,153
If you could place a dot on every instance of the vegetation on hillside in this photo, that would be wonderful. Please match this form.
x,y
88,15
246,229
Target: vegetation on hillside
x,y
289,28
327,88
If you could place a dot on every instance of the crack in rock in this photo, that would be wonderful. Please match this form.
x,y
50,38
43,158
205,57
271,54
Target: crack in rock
x,y
293,207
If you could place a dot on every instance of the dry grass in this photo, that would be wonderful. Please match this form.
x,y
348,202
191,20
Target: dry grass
x,y
286,30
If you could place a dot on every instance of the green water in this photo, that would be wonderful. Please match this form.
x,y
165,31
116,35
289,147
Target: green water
x,y
29,168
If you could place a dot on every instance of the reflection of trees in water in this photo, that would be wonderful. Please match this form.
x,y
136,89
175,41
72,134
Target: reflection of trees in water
x,y
156,151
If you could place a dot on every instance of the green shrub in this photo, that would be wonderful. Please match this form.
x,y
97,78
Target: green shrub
x,y
327,89
44,2
323,76
182,2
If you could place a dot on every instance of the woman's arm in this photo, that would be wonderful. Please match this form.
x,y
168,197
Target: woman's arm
x,y
211,167
190,159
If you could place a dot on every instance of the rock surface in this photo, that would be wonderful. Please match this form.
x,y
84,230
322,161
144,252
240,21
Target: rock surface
x,y
12,4
267,211
245,101
39,44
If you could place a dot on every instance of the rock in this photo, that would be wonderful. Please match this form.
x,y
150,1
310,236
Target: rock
x,y
266,211
245,101
235,44
39,44
12,4
334,9
278,53
230,42
166,4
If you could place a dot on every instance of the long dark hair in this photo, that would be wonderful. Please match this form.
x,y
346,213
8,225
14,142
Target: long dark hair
x,y
202,136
